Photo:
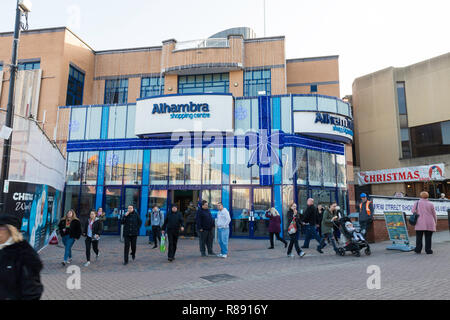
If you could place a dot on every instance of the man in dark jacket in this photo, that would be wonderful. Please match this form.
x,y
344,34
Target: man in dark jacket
x,y
20,265
311,222
205,227
173,224
132,223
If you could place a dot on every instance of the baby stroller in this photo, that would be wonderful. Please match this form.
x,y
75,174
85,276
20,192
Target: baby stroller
x,y
351,240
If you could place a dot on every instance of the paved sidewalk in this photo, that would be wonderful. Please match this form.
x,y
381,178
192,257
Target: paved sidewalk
x,y
252,273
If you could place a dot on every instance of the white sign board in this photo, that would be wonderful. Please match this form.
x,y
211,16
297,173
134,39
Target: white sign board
x,y
380,205
433,172
324,125
187,113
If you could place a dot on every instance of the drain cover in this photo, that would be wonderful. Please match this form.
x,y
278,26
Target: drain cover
x,y
219,278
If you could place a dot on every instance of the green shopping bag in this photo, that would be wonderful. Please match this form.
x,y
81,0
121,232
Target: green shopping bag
x,y
162,246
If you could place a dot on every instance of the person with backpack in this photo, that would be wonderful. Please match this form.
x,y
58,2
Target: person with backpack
x,y
274,227
294,224
131,224
156,222
173,224
92,231
70,230
20,265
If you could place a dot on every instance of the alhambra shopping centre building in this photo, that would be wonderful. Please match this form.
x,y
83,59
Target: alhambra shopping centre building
x,y
225,119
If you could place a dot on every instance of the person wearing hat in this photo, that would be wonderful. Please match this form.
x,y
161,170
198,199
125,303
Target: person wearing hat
x,y
20,265
173,224
365,214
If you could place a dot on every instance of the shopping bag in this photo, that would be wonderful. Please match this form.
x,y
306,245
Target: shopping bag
x,y
292,227
53,238
162,246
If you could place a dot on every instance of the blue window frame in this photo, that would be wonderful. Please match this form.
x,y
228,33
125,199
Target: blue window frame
x,y
75,87
256,81
152,87
204,83
116,91
29,65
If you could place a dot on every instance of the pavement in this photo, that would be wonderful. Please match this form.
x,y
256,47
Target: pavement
x,y
251,272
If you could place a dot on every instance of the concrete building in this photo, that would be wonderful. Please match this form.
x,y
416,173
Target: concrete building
x,y
402,129
97,106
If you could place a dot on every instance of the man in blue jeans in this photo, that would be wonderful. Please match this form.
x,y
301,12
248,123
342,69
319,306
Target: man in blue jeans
x,y
311,222
223,230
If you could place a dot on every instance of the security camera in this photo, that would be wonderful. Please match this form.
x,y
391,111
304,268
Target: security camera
x,y
25,5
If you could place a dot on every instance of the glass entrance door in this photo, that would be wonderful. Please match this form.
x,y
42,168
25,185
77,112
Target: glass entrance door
x,y
117,200
248,209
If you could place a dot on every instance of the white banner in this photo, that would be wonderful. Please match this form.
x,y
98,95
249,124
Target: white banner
x,y
434,172
186,113
405,205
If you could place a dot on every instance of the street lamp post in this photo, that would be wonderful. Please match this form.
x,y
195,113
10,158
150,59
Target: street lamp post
x,y
23,7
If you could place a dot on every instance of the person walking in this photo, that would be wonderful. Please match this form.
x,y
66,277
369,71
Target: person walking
x,y
156,221
92,231
311,222
320,210
274,227
223,230
173,224
20,265
205,226
365,214
330,215
131,224
426,223
70,230
294,218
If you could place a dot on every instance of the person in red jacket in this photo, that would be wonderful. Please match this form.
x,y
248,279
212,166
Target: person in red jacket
x,y
274,226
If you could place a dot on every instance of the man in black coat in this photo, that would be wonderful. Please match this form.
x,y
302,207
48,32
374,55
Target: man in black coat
x,y
132,223
205,227
173,224
20,265
311,223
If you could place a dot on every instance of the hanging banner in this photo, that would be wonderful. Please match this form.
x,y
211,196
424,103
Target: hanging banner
x,y
382,204
434,172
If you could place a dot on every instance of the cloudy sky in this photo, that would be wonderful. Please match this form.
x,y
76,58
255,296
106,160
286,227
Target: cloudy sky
x,y
368,35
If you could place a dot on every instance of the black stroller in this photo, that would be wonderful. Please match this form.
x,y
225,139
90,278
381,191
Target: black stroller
x,y
348,242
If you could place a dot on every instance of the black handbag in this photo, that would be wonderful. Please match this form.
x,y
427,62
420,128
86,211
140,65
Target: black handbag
x,y
415,216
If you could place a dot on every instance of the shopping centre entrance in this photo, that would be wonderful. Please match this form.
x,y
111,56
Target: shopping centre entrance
x,y
116,202
183,198
248,209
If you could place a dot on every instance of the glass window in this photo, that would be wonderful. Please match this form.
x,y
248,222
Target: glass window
x,y
114,167
159,167
213,197
90,167
255,115
329,169
176,169
313,88
29,65
193,167
428,140
445,128
131,120
288,198
75,87
116,91
342,200
73,173
133,167
302,199
401,98
288,165
94,122
152,87
327,104
343,108
257,82
212,166
301,166
204,83
239,172
158,198
117,122
77,124
341,175
304,103
87,203
242,116
286,114
315,167
72,198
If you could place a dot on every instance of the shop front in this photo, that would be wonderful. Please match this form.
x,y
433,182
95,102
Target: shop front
x,y
248,153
